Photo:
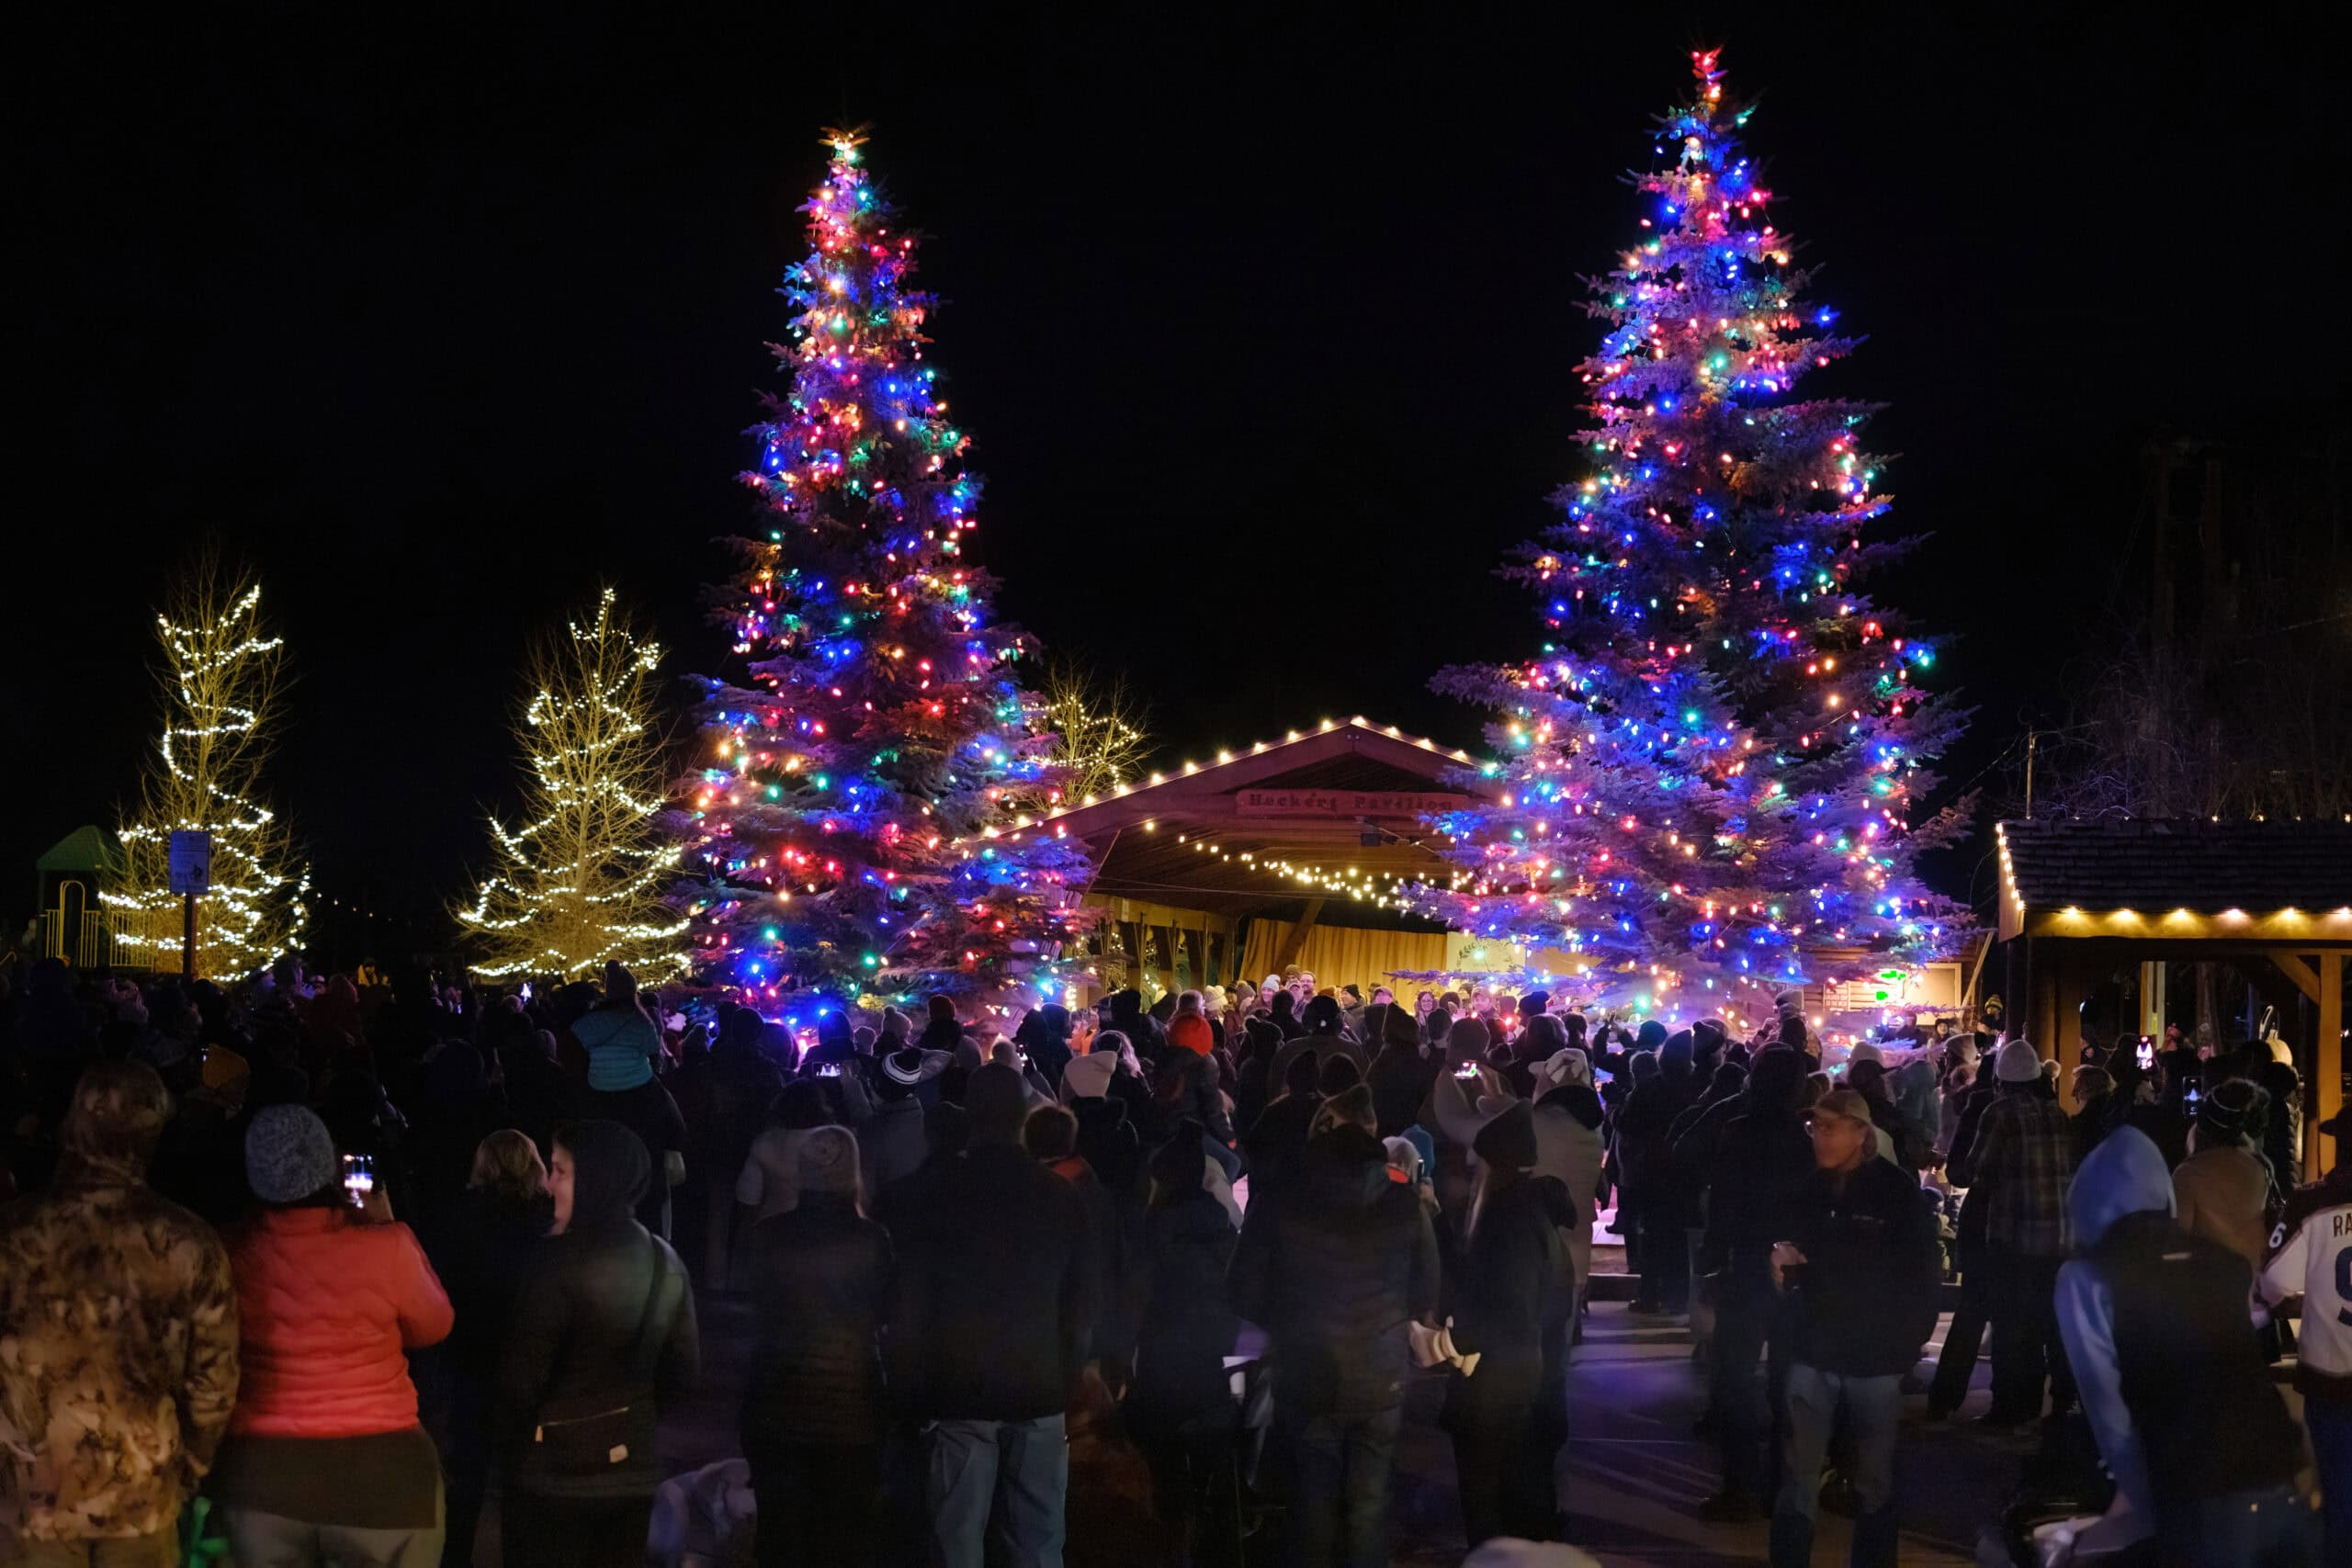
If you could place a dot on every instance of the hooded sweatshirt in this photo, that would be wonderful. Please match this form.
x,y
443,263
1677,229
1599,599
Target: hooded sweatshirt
x,y
2161,1348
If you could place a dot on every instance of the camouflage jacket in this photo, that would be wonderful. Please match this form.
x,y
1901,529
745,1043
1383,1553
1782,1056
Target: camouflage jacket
x,y
118,1358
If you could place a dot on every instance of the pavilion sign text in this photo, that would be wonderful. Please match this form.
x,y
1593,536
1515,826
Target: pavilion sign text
x,y
1344,803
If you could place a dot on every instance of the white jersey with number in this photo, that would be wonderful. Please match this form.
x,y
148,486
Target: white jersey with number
x,y
2311,1255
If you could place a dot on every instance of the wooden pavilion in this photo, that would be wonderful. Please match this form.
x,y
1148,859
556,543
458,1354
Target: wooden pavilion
x,y
1273,855
2089,907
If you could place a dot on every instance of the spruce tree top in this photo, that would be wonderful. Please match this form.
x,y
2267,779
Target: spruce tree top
x,y
856,796
1710,770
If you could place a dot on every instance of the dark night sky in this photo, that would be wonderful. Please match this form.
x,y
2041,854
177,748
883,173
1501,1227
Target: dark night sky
x,y
1265,330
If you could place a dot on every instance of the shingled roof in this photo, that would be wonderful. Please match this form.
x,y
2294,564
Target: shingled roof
x,y
2207,867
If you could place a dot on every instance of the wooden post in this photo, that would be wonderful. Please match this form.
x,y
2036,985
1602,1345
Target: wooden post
x,y
2327,1065
1296,937
2151,998
187,938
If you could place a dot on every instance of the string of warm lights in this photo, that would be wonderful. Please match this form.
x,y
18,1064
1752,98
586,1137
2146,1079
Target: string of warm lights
x,y
841,828
221,680
582,882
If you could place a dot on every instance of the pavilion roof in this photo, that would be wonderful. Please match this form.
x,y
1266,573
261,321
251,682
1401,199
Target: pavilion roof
x,y
2158,866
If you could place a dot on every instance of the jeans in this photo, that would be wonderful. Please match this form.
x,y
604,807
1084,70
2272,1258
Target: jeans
x,y
1870,1406
975,1465
1340,1490
2021,1299
1747,1423
816,1504
2331,1430
1956,1362
2266,1528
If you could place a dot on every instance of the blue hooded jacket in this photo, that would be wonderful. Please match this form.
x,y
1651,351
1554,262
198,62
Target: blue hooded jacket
x,y
2125,1174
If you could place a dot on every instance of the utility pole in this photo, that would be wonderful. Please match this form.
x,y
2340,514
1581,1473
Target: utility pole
x,y
2031,737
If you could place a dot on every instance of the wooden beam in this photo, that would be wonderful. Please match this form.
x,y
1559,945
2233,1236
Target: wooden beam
x,y
1287,953
2327,1063
2306,978
2301,928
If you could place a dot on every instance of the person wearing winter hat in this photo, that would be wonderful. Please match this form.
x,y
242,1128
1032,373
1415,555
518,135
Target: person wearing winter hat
x,y
997,1283
2154,1320
325,1460
2221,1192
1512,1305
1332,1265
618,1036
2021,1153
1860,1270
1865,1051
813,1414
1179,1408
92,1479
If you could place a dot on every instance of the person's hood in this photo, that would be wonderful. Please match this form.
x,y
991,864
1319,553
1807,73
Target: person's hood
x,y
1100,1111
1346,1167
1577,1098
610,1171
2125,1175
1194,1216
1126,1007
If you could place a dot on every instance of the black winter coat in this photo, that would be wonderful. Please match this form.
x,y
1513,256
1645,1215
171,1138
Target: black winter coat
x,y
996,1284
1512,1296
575,1329
1108,1142
484,1247
1400,1081
820,1280
1759,1164
1866,1295
1180,1386
1186,1085
1333,1266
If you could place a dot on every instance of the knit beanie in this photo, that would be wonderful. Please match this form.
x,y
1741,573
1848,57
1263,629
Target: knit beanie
x,y
2017,1061
1089,1077
996,1100
1401,1029
1864,1051
1190,1032
1403,1156
1533,1004
2232,1114
827,1160
1650,1036
289,1153
896,1026
1508,1140
1466,1041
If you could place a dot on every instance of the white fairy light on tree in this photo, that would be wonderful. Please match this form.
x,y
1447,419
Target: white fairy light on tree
x,y
582,882
219,675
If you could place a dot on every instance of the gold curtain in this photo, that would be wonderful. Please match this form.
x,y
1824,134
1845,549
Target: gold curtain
x,y
1340,955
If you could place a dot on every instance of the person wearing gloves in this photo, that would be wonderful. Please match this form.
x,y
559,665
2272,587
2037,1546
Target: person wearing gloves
x,y
2023,1154
1860,1262
2308,1258
325,1460
1513,1298
2172,1377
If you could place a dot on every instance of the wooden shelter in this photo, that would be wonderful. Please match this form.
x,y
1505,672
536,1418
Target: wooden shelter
x,y
2083,903
1293,836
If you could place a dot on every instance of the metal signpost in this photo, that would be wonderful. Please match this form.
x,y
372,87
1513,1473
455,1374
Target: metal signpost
x,y
191,875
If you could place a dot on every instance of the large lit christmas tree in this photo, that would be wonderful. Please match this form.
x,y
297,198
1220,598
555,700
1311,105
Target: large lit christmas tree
x,y
1709,774
860,824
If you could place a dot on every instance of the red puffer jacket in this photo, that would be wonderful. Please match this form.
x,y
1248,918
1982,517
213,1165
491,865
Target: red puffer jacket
x,y
326,1304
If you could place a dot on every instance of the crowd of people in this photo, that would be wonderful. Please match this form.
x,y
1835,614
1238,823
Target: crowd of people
x,y
318,1274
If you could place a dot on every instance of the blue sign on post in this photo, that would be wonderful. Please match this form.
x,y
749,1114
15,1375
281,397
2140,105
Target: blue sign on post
x,y
191,861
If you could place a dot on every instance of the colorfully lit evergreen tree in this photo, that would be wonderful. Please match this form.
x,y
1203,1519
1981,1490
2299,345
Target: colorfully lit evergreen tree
x,y
582,881
860,823
1711,770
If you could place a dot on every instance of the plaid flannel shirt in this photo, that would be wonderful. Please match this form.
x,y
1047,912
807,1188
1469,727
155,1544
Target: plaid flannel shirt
x,y
2024,1159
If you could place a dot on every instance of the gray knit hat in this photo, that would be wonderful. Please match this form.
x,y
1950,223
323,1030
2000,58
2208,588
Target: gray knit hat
x,y
289,1153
